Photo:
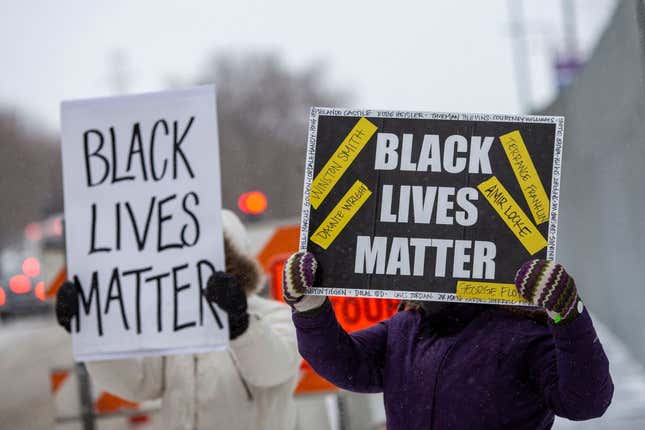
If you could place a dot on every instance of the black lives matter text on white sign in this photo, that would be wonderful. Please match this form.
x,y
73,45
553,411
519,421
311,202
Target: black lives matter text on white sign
x,y
143,222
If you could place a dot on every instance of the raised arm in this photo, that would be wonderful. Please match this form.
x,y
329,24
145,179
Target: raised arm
x,y
267,354
571,370
263,339
569,367
353,362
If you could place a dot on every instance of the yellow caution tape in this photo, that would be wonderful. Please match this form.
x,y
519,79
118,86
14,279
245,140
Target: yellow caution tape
x,y
488,291
513,215
338,218
344,155
527,176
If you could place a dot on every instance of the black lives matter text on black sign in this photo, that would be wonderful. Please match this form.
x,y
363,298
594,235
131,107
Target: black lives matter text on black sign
x,y
429,206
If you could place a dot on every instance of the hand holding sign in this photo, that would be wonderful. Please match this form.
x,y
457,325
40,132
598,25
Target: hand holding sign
x,y
298,276
225,291
66,305
546,284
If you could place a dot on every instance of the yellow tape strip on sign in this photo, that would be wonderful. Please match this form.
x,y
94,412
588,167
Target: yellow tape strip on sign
x,y
338,218
527,176
488,291
340,161
512,214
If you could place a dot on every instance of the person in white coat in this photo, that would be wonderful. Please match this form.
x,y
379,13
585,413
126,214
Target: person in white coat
x,y
248,386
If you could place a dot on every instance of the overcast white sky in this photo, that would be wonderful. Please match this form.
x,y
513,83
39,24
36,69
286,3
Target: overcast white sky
x,y
418,55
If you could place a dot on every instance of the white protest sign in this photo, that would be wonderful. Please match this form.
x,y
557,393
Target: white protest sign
x,y
143,223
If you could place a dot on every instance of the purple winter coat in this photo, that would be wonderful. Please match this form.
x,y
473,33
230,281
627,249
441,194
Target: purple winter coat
x,y
482,368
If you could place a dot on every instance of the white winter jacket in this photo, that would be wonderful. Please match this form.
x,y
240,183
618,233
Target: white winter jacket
x,y
249,386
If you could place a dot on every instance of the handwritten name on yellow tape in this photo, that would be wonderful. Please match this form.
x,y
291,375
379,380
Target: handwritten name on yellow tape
x,y
338,218
340,161
512,214
527,176
488,291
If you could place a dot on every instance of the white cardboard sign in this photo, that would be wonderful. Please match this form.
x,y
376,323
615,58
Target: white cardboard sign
x,y
143,223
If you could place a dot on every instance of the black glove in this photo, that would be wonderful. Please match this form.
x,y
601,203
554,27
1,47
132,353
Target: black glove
x,y
66,305
224,290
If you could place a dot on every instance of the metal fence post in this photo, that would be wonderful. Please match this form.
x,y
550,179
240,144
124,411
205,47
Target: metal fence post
x,y
85,397
343,419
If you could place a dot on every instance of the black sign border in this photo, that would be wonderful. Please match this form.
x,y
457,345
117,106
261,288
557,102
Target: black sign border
x,y
316,112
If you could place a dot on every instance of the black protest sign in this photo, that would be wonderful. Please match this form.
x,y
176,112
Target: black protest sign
x,y
143,222
429,206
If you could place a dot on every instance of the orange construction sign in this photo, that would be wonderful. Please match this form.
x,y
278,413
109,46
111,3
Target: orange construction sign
x,y
285,241
352,313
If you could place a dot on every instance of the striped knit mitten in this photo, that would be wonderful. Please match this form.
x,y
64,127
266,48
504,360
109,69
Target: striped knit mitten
x,y
298,275
546,284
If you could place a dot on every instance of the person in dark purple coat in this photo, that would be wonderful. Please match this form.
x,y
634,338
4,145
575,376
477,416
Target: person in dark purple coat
x,y
463,366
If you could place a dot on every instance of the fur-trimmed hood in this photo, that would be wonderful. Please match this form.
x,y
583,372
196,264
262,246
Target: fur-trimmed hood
x,y
237,249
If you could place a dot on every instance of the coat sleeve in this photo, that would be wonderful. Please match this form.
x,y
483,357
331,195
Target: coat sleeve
x,y
571,370
267,353
354,361
134,379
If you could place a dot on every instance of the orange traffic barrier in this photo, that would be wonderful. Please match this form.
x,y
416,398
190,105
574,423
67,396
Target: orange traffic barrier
x,y
56,283
108,403
56,378
285,240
